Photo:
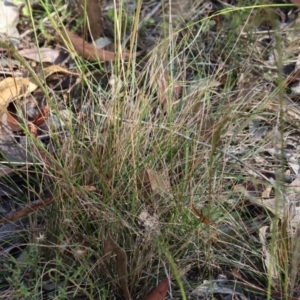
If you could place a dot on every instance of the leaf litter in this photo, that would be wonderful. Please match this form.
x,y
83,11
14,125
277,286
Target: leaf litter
x,y
251,97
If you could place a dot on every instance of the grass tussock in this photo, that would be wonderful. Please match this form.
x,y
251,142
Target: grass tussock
x,y
145,161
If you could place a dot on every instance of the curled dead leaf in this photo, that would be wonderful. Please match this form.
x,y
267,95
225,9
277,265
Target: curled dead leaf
x,y
13,87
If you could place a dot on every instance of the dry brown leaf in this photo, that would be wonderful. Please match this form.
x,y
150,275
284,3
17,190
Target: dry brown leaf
x,y
89,51
11,87
160,292
42,116
86,50
156,182
110,247
156,186
249,189
94,16
35,205
13,123
14,87
34,131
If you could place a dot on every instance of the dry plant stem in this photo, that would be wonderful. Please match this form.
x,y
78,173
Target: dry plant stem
x,y
198,142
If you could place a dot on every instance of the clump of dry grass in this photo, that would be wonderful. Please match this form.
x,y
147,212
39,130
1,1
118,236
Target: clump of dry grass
x,y
140,151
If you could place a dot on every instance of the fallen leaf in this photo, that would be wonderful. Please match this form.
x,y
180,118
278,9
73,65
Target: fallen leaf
x,y
86,50
9,19
42,116
160,292
110,247
247,189
12,87
155,184
49,55
93,13
35,205
13,123
89,51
